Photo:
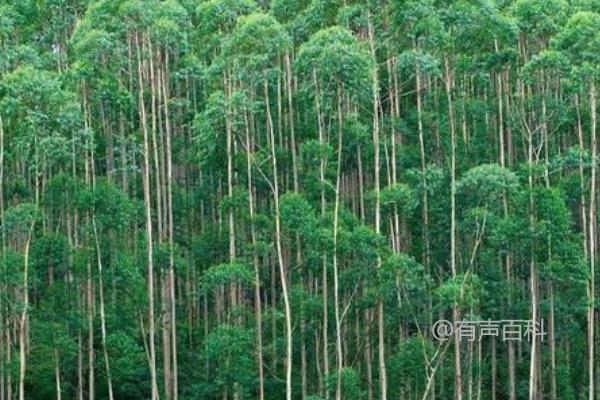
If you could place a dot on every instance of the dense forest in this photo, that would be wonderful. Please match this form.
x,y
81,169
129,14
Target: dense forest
x,y
230,199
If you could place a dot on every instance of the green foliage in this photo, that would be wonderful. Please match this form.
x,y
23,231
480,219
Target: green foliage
x,y
226,349
335,57
54,345
108,204
540,18
400,196
486,183
297,214
127,358
546,60
208,126
365,245
579,39
11,262
401,275
408,361
50,252
255,44
418,20
425,62
40,113
463,290
477,27
350,384
8,18
229,273
19,219
218,16
170,24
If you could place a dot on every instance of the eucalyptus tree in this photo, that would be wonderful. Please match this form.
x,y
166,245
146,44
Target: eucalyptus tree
x,y
577,39
21,221
537,21
137,18
169,32
217,20
38,112
90,44
223,17
339,69
257,42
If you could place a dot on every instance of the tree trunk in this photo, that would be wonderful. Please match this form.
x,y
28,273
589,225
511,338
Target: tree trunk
x,y
282,271
592,249
23,319
380,319
171,269
257,300
336,301
148,222
57,375
455,308
102,313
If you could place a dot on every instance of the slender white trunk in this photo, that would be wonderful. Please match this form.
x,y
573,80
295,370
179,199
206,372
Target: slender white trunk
x,y
592,249
102,312
282,271
23,319
148,222
455,308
